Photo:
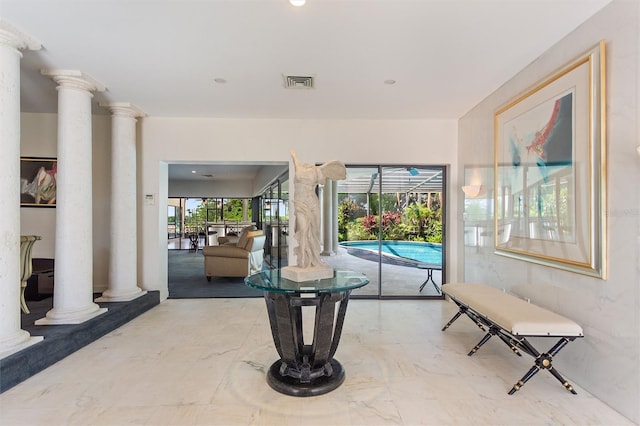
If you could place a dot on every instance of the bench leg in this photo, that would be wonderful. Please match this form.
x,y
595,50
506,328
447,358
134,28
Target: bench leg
x,y
465,310
509,342
455,317
543,361
496,331
482,342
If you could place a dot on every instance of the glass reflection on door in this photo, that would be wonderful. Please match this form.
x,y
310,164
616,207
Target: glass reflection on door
x,y
357,206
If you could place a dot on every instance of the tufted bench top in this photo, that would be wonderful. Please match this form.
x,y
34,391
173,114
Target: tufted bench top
x,y
513,314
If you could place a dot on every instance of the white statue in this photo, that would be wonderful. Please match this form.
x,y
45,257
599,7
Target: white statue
x,y
307,224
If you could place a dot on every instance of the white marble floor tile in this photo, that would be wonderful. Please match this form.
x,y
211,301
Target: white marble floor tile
x,y
203,362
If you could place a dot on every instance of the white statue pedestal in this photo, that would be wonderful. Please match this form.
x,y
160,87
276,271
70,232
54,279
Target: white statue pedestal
x,y
297,274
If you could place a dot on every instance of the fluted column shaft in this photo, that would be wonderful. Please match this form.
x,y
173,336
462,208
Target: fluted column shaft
x,y
327,222
245,210
12,337
334,217
123,259
73,293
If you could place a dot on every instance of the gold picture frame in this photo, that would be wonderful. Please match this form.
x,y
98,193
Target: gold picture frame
x,y
550,174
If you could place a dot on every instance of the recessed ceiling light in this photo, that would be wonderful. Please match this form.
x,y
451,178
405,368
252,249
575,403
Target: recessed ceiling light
x,y
389,82
297,2
220,80
193,171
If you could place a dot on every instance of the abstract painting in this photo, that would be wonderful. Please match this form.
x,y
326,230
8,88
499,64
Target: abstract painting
x,y
549,170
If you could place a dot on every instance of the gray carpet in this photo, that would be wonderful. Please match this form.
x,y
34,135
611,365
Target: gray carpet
x,y
187,279
62,340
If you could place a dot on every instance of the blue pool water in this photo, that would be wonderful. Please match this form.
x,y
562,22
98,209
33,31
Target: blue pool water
x,y
418,251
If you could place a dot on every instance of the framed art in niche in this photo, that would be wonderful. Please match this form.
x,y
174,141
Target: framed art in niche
x,y
38,182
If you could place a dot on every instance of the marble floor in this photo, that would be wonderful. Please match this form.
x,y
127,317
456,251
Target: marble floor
x,y
203,362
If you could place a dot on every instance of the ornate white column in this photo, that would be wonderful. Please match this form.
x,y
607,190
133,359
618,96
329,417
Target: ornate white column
x,y
245,209
334,216
73,293
123,259
327,218
12,337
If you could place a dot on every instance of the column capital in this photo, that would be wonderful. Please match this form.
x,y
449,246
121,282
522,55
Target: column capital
x,y
74,79
124,109
16,38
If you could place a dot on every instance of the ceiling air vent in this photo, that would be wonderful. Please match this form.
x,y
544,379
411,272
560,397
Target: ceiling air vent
x,y
299,81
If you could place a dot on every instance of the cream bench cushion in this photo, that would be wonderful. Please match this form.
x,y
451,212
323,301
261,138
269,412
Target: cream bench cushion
x,y
513,314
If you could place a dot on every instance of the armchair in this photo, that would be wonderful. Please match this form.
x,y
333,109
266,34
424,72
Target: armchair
x,y
234,239
240,260
26,265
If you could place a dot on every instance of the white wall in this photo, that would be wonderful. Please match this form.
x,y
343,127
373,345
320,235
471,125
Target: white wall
x,y
202,139
606,361
38,138
39,134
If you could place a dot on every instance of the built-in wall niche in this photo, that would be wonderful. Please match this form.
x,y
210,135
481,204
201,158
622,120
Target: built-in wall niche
x,y
477,212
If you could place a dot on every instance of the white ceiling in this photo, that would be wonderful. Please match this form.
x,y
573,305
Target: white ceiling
x,y
163,55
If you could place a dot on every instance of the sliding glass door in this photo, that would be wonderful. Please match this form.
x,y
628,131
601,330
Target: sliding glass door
x,y
411,231
391,227
205,219
275,217
357,233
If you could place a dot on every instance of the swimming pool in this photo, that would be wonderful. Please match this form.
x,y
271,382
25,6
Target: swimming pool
x,y
412,250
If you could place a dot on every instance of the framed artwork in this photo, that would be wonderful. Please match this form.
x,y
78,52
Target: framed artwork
x,y
549,197
38,182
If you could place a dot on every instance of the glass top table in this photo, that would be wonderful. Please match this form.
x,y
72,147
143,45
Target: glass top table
x,y
272,281
306,368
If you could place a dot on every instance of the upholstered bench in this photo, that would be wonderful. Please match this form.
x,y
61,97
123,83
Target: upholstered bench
x,y
513,320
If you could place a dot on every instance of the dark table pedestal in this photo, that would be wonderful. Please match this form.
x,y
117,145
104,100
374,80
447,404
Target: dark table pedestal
x,y
306,369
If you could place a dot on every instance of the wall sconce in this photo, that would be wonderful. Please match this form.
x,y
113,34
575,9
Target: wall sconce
x,y
474,191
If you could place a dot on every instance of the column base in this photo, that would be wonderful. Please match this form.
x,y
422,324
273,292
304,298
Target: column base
x,y
121,296
21,341
57,317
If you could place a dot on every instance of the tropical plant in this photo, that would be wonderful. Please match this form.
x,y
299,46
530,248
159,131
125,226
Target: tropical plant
x,y
370,224
356,231
416,222
348,210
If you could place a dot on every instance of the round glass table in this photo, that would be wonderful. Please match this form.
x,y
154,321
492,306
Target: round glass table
x,y
306,369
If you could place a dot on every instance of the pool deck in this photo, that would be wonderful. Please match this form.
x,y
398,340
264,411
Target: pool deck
x,y
396,280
